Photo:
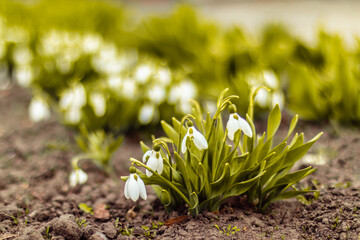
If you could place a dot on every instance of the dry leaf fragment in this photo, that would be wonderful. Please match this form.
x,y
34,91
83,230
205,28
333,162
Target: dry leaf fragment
x,y
177,220
100,212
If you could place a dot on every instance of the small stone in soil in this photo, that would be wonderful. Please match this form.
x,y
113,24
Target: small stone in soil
x,y
98,236
67,227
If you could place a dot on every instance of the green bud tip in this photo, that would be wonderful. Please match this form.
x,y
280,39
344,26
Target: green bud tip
x,y
157,155
132,169
190,124
157,148
191,131
232,108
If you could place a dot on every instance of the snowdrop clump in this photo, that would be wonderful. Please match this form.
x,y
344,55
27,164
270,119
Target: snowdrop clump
x,y
194,165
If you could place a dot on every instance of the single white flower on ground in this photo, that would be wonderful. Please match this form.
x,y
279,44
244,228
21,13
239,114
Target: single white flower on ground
x,y
98,103
38,110
236,123
135,187
194,135
77,176
146,113
154,161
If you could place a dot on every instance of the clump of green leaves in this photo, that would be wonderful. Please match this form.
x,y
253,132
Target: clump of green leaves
x,y
202,171
227,230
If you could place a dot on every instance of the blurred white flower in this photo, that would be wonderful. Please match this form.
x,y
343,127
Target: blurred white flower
x,y
38,109
71,102
91,43
135,187
183,91
73,97
77,176
278,98
128,89
154,161
262,98
114,82
236,123
156,94
163,76
24,75
98,103
22,55
271,80
146,113
73,115
143,73
195,136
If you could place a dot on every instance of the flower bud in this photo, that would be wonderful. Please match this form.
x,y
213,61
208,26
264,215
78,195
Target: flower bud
x,y
232,108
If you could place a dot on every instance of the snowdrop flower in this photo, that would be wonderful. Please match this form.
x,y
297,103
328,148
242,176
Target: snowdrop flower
x,y
262,98
146,113
77,176
75,96
143,73
163,75
195,136
128,89
98,103
154,161
91,43
22,55
278,98
181,94
24,75
38,110
156,94
236,123
135,187
271,80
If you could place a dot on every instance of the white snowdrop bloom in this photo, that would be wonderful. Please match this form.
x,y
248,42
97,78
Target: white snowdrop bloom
x,y
77,176
91,43
262,98
22,55
143,73
184,91
114,82
74,97
73,115
278,98
146,113
271,80
24,75
103,61
195,136
236,123
128,89
38,109
98,103
156,94
211,107
154,161
185,106
135,187
163,76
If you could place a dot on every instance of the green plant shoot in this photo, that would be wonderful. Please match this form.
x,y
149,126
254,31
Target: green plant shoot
x,y
196,166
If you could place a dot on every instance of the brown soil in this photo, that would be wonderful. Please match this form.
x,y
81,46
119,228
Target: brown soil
x,y
36,201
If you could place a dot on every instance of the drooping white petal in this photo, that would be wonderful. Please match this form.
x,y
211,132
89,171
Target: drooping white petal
x,y
183,143
148,153
278,98
199,140
72,179
232,126
133,188
82,176
142,189
160,165
98,103
245,127
126,191
262,98
38,110
271,80
153,164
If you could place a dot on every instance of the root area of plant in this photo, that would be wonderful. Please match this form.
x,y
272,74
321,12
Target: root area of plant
x,y
36,201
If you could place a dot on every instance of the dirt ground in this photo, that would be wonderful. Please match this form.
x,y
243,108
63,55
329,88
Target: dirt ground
x,y
36,201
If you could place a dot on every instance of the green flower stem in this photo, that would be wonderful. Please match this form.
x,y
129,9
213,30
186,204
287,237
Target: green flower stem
x,y
137,162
